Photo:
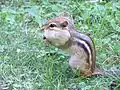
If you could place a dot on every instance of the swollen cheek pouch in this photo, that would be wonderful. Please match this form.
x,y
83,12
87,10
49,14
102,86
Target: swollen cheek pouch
x,y
49,34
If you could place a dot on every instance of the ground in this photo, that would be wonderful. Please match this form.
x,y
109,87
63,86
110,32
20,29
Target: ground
x,y
26,63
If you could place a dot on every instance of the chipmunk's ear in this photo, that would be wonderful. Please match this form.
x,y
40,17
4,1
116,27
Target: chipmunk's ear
x,y
64,24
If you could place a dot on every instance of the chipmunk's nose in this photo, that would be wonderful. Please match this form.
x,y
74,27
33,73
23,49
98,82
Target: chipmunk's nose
x,y
44,37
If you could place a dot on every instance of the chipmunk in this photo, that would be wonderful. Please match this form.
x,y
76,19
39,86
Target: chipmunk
x,y
61,33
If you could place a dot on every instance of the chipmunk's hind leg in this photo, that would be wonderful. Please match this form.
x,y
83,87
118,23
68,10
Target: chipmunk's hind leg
x,y
86,73
89,73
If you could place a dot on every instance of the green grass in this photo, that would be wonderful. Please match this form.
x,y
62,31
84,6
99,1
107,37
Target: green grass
x,y
26,63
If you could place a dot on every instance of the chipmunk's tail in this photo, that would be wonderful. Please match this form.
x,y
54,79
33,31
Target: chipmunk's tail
x,y
98,71
111,72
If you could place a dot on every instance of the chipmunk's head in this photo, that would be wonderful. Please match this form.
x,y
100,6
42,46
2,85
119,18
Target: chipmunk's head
x,y
56,31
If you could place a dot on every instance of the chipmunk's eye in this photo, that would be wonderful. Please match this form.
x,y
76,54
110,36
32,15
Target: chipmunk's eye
x,y
52,25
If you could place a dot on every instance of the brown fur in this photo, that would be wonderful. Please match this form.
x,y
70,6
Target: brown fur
x,y
64,36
